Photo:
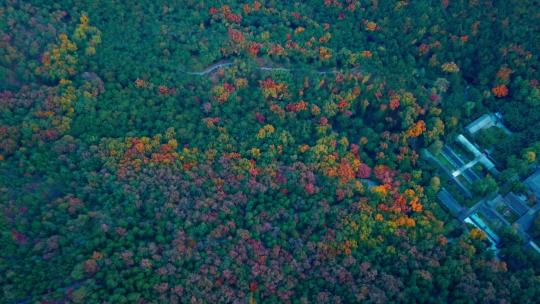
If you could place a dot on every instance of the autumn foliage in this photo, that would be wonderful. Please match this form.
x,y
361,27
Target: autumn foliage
x,y
417,129
500,91
256,151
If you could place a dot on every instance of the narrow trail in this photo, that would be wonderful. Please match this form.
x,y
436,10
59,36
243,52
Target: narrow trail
x,y
209,69
226,64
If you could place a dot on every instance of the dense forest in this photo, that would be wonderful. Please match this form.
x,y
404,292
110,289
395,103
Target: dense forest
x,y
201,151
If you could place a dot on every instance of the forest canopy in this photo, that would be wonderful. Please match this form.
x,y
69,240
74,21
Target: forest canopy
x,y
258,151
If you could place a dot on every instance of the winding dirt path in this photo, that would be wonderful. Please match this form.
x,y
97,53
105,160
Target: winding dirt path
x,y
210,69
226,64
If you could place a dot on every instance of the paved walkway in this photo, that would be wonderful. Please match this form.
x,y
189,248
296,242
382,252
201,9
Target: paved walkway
x,y
458,162
477,154
466,166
